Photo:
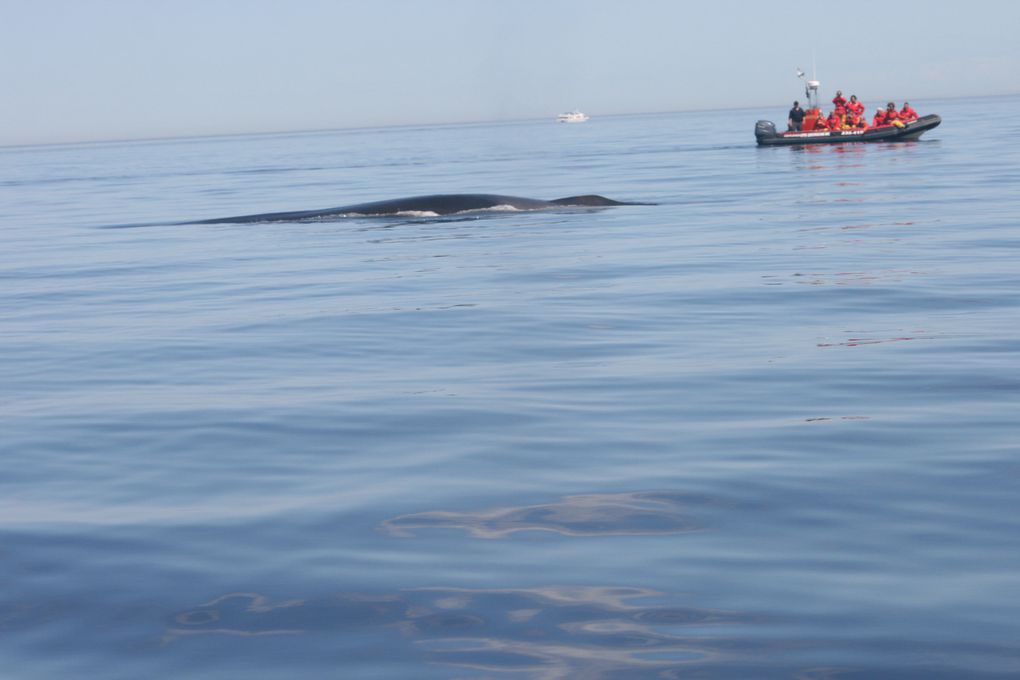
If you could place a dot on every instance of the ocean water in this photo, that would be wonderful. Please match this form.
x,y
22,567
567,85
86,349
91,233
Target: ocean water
x,y
766,428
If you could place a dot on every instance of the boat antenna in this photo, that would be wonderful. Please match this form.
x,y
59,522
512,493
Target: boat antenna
x,y
810,86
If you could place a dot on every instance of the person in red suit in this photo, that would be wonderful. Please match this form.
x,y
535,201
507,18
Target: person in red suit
x,y
838,101
855,121
855,106
907,114
892,116
879,119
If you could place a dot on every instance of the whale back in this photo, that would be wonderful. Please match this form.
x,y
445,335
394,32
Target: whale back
x,y
442,204
589,200
432,204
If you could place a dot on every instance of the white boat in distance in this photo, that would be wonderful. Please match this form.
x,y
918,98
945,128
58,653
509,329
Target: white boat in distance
x,y
571,117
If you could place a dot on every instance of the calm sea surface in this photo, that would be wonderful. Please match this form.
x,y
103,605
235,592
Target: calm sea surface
x,y
767,428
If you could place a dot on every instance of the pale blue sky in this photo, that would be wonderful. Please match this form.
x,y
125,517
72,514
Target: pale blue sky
x,y
116,69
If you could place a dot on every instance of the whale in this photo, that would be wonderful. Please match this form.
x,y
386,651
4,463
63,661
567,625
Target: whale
x,y
432,205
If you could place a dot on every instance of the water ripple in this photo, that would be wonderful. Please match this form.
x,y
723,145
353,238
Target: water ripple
x,y
645,513
549,632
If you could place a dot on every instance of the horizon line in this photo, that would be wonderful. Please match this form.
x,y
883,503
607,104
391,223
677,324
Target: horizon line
x,y
302,131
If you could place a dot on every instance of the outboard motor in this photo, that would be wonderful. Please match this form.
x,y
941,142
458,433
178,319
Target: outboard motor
x,y
764,129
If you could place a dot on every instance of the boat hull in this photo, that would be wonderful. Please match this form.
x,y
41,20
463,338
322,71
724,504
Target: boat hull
x,y
765,133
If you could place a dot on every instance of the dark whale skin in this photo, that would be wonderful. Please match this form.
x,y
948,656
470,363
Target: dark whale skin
x,y
437,204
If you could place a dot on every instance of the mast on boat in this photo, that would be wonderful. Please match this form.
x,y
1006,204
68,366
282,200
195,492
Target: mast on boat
x,y
810,89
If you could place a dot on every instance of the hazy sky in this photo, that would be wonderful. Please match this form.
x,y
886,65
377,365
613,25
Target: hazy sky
x,y
113,69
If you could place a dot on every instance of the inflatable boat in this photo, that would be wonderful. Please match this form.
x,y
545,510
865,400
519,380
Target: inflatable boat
x,y
765,133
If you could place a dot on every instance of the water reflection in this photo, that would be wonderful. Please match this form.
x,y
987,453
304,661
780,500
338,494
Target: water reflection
x,y
547,632
644,513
